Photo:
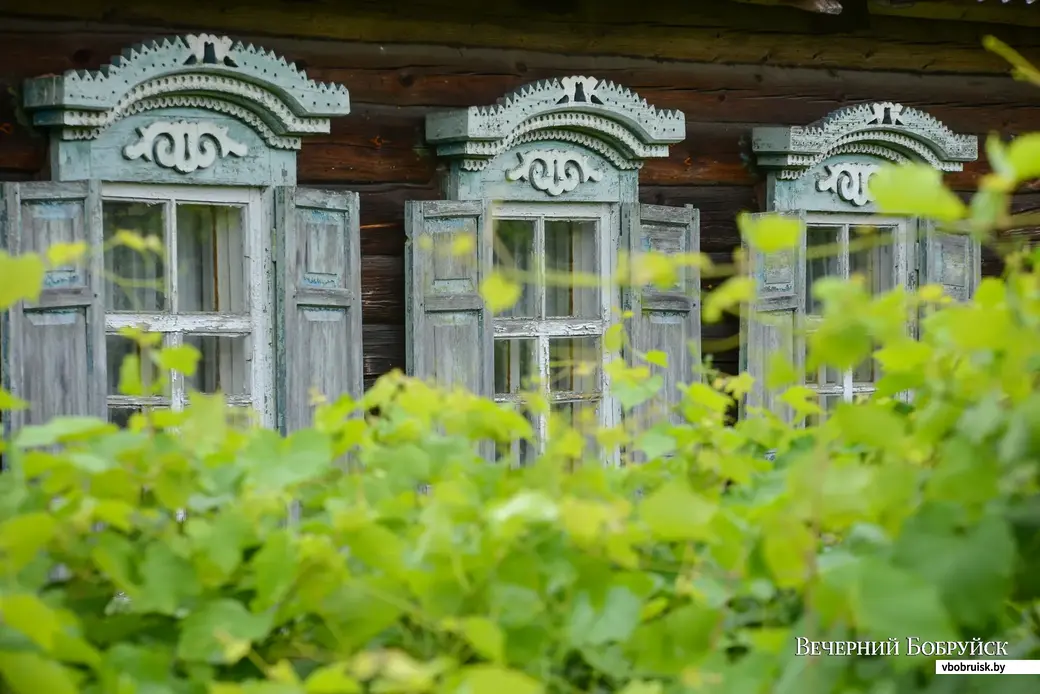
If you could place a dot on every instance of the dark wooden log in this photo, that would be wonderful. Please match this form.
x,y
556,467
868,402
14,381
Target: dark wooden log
x,y
671,30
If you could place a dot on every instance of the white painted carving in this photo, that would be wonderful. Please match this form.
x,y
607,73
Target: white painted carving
x,y
887,113
848,181
184,146
553,171
197,46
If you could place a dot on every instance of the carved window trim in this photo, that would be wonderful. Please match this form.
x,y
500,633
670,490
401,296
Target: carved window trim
x,y
214,77
541,330
821,173
552,126
254,325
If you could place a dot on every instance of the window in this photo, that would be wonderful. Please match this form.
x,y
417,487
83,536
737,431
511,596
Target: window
x,y
189,143
211,296
820,174
551,340
841,246
546,183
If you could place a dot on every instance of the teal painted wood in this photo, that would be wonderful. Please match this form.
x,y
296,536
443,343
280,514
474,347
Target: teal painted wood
x,y
53,348
953,261
138,149
826,166
770,322
318,293
666,320
198,108
572,138
825,169
448,326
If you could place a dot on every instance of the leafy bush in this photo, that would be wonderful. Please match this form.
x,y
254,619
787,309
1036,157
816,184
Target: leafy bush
x,y
191,554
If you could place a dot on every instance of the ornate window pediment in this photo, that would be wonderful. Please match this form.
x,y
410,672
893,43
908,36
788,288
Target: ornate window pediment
x,y
173,107
819,175
556,135
846,147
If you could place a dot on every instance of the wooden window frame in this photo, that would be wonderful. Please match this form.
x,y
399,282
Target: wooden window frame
x,y
902,275
608,224
256,323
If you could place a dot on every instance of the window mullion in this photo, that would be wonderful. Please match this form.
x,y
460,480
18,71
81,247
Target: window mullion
x,y
178,396
542,419
171,254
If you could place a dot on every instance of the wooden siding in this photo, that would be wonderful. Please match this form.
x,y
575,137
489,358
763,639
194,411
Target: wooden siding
x,y
728,70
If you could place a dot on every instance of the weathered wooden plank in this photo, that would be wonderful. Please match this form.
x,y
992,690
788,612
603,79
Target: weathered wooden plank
x,y
666,30
382,289
384,350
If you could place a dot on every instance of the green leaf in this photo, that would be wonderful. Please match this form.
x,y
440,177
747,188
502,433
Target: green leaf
x,y
674,513
642,687
499,292
915,189
485,637
130,382
274,570
972,569
166,579
727,297
62,253
29,615
655,443
612,621
1023,157
23,537
221,631
1022,68
887,601
789,550
29,673
21,278
58,430
180,358
481,679
657,357
769,233
10,402
331,679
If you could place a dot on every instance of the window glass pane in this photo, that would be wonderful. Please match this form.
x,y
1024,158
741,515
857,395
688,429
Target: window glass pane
x,y
134,276
871,255
572,283
522,450
515,365
210,259
117,349
866,372
827,403
514,257
222,366
822,257
120,414
583,417
574,364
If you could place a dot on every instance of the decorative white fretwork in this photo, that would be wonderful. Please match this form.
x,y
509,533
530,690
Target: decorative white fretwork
x,y
883,130
849,181
605,117
213,72
184,146
553,171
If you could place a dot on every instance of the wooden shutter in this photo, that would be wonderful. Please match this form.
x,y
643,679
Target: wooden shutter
x,y
772,317
319,299
449,331
667,320
952,260
54,348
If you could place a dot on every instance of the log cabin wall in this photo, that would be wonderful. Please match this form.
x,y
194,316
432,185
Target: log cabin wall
x,y
728,66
